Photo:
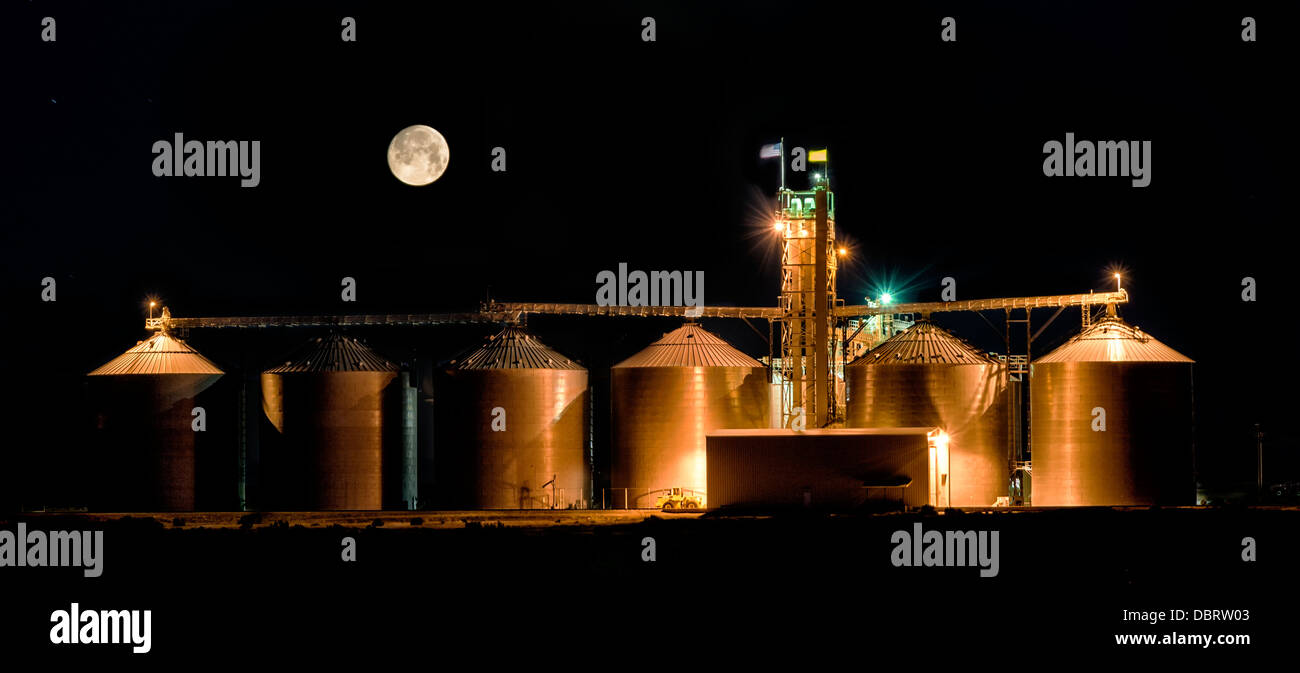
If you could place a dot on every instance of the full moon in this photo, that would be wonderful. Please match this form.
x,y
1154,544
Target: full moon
x,y
418,155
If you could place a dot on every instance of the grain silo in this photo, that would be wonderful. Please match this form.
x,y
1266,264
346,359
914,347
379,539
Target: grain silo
x,y
511,428
145,401
925,376
1111,421
336,404
665,399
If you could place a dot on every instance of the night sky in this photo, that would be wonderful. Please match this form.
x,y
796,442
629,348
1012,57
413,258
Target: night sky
x,y
646,153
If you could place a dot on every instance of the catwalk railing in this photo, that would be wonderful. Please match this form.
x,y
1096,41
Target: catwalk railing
x,y
496,312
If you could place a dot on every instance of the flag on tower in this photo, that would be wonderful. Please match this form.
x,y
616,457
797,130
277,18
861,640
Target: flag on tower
x,y
817,156
770,151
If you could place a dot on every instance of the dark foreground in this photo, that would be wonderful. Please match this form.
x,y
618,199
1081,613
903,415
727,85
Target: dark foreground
x,y
573,590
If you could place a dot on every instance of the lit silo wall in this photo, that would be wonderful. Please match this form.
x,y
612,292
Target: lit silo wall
x,y
333,405
666,399
512,427
1143,454
925,376
144,402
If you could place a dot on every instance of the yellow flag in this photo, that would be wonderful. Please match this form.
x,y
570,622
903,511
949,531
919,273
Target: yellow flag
x,y
817,156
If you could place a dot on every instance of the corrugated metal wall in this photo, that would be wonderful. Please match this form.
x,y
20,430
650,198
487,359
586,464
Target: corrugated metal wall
x,y
1144,453
665,398
537,456
817,468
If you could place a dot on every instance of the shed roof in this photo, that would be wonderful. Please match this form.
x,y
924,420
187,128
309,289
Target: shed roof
x,y
923,343
1113,340
334,353
159,354
514,348
690,346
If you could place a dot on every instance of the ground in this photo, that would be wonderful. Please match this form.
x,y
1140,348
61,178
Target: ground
x,y
541,581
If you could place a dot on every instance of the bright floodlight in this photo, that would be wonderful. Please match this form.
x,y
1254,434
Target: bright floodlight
x,y
886,298
843,252
778,225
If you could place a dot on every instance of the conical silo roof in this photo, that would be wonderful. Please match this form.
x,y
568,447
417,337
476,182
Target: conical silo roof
x,y
690,346
1113,340
923,343
514,348
159,354
334,353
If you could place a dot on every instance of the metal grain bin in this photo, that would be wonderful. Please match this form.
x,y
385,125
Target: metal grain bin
x,y
144,399
665,399
1143,454
925,376
331,403
511,430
